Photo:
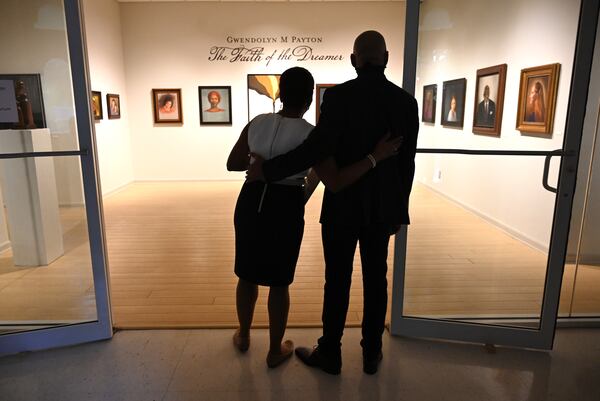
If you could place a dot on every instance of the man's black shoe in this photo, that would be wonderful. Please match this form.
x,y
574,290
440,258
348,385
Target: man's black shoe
x,y
371,362
328,362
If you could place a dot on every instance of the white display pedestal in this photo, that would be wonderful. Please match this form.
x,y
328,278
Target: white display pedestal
x,y
29,187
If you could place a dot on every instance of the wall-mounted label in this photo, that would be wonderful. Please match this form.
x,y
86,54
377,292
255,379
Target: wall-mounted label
x,y
8,102
303,48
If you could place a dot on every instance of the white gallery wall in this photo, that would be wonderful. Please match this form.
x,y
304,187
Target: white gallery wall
x,y
107,75
457,38
167,45
33,41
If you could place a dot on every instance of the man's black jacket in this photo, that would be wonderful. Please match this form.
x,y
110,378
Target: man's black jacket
x,y
354,116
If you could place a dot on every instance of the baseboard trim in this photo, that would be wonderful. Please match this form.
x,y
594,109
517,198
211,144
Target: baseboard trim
x,y
507,229
117,189
5,246
71,204
590,260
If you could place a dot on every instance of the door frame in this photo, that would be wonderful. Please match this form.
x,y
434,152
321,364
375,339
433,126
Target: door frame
x,y
542,337
101,328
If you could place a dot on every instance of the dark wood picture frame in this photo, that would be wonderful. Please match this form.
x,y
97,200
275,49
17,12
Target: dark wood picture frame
x,y
268,90
488,120
33,87
429,104
456,88
110,110
158,97
96,101
320,92
537,99
218,116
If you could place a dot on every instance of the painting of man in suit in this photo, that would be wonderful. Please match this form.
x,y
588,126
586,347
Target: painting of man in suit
x,y
489,99
486,110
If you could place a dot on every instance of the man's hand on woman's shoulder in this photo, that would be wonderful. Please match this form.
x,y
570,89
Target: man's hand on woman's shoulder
x,y
255,171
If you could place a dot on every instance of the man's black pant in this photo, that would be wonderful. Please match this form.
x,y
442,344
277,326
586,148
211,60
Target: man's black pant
x,y
339,245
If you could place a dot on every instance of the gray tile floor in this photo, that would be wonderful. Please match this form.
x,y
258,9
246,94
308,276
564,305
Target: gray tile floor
x,y
203,365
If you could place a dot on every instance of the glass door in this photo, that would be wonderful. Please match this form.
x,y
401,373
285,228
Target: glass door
x,y
501,127
53,276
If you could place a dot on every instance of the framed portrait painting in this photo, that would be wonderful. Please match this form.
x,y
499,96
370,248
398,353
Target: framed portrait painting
x,y
453,103
263,94
27,89
113,106
167,106
489,100
537,99
215,105
321,88
429,103
97,105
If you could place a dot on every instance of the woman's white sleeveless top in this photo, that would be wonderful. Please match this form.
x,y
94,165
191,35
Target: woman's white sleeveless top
x,y
271,135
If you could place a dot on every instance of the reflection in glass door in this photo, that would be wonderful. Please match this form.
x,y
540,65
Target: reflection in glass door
x,y
582,267
46,267
482,260
53,288
463,264
584,264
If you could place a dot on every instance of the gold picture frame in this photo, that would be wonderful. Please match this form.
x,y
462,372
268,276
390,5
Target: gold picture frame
x,y
537,99
96,101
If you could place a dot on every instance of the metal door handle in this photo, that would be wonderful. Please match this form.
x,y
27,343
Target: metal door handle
x,y
547,160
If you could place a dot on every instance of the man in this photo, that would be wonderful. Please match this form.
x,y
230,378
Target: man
x,y
368,211
486,110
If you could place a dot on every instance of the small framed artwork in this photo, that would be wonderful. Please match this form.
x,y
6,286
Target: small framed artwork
x,y
489,100
97,105
215,105
429,103
537,99
113,106
263,94
167,106
453,103
321,88
26,106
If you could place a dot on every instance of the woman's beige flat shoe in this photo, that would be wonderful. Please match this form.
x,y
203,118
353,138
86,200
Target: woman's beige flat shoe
x,y
241,343
287,350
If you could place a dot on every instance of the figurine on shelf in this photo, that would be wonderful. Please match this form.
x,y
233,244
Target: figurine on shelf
x,y
24,107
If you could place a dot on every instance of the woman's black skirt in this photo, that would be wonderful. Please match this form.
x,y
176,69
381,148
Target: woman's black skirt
x,y
269,224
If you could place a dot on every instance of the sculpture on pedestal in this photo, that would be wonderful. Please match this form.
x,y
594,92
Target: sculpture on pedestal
x,y
24,107
29,102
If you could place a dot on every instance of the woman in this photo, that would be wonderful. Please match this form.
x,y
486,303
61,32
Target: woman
x,y
535,110
269,218
166,104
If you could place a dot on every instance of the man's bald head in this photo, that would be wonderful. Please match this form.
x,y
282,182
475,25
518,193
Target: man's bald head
x,y
369,48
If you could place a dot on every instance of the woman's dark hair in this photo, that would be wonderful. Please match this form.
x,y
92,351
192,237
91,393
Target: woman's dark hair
x,y
296,87
166,98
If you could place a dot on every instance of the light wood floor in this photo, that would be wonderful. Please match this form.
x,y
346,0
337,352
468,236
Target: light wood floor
x,y
171,253
59,293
